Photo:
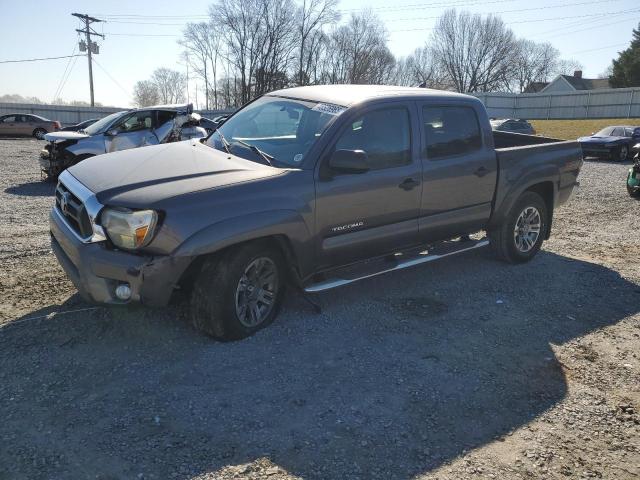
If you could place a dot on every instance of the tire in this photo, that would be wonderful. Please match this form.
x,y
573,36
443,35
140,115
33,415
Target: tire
x,y
620,154
39,133
504,239
633,193
228,281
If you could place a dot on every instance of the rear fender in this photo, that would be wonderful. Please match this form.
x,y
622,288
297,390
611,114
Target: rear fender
x,y
506,201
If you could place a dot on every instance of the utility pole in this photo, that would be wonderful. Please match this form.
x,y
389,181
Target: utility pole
x,y
91,47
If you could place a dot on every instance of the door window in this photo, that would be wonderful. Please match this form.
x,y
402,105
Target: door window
x,y
164,116
384,135
617,132
450,131
9,119
136,122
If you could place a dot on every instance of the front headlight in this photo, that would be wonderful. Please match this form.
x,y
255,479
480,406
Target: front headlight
x,y
129,229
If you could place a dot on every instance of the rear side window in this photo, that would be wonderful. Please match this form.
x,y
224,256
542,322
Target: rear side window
x,y
164,116
450,131
384,135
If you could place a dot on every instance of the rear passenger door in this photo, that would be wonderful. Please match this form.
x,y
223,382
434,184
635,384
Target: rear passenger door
x,y
459,171
367,214
133,131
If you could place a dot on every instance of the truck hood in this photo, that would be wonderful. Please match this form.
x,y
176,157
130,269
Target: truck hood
x,y
597,139
140,177
59,136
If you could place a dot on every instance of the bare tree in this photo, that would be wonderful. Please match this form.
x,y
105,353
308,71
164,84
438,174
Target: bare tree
x,y
476,53
170,85
567,67
357,52
420,69
312,16
533,62
239,22
201,41
145,93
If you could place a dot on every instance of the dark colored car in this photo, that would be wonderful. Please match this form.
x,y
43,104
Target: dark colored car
x,y
210,125
79,126
313,186
20,124
612,143
513,126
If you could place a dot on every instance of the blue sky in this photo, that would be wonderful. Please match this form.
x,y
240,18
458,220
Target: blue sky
x,y
591,31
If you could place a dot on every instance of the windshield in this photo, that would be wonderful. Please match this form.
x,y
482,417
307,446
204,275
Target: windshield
x,y
283,129
605,132
102,124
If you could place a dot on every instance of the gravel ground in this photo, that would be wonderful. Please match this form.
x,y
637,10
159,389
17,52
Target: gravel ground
x,y
464,368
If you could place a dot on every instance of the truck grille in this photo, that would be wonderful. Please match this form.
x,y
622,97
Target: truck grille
x,y
73,211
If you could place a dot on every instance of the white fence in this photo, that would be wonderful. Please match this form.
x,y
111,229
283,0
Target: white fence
x,y
611,103
70,115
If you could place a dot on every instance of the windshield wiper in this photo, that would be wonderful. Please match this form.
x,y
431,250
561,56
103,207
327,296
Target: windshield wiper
x,y
267,158
225,144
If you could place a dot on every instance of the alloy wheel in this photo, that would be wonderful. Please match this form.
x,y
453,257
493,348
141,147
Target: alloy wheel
x,y
527,229
256,292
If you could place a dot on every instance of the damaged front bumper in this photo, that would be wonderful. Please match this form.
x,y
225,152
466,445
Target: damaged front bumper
x,y
97,271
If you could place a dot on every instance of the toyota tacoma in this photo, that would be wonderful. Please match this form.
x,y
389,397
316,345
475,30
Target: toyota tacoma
x,y
312,187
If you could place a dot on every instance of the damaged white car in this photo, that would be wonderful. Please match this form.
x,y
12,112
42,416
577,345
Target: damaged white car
x,y
120,131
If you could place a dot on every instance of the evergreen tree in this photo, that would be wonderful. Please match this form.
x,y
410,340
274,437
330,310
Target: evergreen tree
x,y
626,69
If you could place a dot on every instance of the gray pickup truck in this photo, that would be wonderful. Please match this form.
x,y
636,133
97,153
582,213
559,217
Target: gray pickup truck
x,y
313,187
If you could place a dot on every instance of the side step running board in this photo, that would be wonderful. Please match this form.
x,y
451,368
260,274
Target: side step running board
x,y
398,265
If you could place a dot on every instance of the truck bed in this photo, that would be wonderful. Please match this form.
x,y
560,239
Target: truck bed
x,y
521,157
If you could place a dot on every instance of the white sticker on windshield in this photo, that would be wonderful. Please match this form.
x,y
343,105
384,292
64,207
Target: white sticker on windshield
x,y
328,108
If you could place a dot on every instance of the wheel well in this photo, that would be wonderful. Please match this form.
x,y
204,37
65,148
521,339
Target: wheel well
x,y
279,242
33,134
545,190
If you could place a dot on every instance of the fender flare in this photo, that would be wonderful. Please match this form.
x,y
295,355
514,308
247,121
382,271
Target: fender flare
x,y
538,176
232,231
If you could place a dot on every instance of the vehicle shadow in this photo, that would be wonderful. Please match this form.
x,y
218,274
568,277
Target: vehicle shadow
x,y
398,375
33,189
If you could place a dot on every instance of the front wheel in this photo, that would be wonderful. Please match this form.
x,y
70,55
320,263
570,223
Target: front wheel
x,y
522,232
238,293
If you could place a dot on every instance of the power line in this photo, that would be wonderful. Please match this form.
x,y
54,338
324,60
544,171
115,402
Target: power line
x,y
39,59
533,20
64,83
512,11
112,79
55,95
599,48
141,34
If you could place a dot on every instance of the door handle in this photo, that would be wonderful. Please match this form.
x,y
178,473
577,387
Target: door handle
x,y
481,172
408,184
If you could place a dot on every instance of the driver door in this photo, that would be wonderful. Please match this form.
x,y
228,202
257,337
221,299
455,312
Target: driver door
x,y
362,215
133,131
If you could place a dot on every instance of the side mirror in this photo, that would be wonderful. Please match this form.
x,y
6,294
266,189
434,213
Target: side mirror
x,y
112,133
349,161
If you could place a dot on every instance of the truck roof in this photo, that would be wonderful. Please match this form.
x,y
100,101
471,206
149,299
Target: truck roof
x,y
347,95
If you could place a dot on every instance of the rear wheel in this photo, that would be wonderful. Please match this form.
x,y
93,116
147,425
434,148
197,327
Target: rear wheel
x,y
521,234
39,133
620,154
238,293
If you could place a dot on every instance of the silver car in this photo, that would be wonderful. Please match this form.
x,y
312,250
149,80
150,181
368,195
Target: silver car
x,y
119,131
